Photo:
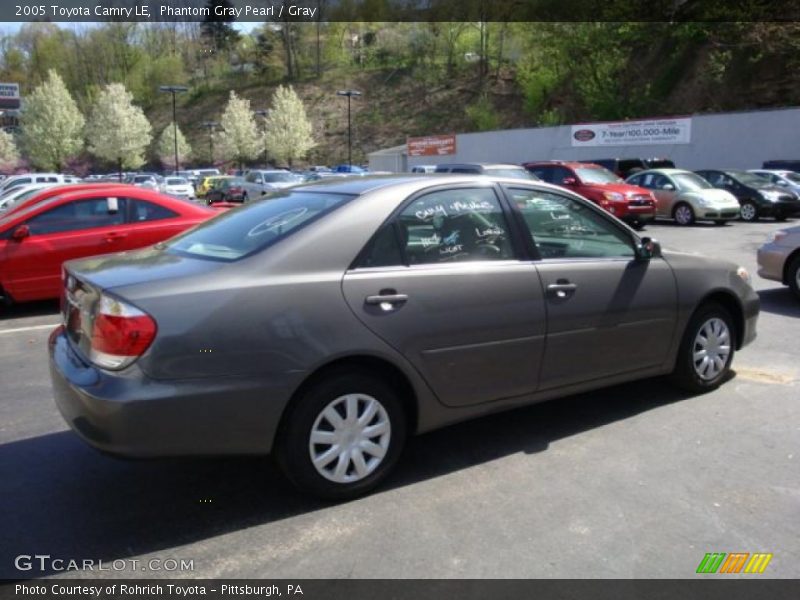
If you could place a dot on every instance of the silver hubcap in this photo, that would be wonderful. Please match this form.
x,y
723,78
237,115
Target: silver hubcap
x,y
683,215
748,212
712,347
797,278
350,438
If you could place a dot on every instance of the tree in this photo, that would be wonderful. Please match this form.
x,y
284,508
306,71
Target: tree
x,y
218,29
166,147
289,132
52,125
239,137
9,157
117,130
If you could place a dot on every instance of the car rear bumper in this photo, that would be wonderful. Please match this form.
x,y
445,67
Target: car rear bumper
x,y
129,414
771,260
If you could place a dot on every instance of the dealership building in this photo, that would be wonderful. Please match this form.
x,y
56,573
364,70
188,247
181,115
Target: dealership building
x,y
740,140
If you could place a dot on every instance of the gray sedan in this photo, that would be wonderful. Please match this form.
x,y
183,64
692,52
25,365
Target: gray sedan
x,y
327,322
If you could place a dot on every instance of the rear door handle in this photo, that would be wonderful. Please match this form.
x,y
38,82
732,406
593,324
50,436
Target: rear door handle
x,y
562,289
386,299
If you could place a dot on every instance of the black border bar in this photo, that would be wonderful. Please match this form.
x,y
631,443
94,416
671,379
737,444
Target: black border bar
x,y
76,11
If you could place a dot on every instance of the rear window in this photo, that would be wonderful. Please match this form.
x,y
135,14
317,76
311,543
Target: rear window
x,y
255,226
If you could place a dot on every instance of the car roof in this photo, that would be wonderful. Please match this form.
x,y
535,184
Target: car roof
x,y
572,164
363,185
479,164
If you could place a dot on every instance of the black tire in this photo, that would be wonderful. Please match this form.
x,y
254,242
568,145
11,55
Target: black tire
x,y
685,375
689,220
792,275
749,212
292,445
244,198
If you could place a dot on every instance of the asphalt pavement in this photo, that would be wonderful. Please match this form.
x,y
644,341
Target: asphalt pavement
x,y
638,480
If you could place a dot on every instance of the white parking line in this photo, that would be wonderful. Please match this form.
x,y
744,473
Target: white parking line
x,y
31,328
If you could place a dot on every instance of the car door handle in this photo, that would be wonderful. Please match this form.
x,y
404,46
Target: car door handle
x,y
387,300
110,237
562,289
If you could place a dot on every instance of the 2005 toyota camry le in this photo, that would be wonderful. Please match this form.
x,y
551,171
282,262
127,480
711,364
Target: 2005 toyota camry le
x,y
325,323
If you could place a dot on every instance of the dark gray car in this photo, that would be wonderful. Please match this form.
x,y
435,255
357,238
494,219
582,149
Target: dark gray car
x,y
325,323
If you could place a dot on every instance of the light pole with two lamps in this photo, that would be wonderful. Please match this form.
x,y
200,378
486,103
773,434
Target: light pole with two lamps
x,y
174,89
349,94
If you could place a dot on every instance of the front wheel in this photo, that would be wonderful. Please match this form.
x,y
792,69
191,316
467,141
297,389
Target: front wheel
x,y
683,214
749,211
706,351
793,276
342,436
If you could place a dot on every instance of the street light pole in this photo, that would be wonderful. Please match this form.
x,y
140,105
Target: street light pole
x,y
210,125
349,94
264,113
174,89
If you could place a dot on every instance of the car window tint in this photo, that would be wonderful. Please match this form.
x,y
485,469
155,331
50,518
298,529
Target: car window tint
x,y
141,210
543,173
255,226
82,214
563,227
464,224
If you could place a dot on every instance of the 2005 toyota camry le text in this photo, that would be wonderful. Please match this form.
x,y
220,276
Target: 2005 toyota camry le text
x,y
325,323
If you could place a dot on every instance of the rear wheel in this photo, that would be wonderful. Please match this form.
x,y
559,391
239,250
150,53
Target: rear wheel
x,y
749,211
706,351
342,436
683,214
793,275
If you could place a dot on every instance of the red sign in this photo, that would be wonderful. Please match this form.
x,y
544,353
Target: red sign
x,y
432,145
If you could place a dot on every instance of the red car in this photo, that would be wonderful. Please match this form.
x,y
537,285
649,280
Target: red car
x,y
37,239
634,205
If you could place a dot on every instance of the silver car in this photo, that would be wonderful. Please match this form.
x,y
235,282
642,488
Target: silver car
x,y
329,321
686,197
260,182
779,258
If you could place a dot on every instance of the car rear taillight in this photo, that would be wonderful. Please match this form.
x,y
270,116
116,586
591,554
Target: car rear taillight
x,y
121,333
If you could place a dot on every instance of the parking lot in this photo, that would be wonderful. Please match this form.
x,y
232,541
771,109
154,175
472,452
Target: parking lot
x,y
637,480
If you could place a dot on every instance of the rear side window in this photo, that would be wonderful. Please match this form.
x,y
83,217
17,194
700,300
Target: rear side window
x,y
256,226
141,210
83,214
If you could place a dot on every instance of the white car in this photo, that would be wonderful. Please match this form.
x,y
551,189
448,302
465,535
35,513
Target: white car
x,y
20,193
180,187
29,178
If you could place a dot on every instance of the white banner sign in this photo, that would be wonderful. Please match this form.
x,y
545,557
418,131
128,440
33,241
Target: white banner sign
x,y
633,133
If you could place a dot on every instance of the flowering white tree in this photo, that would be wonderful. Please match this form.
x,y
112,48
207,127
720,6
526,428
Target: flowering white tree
x,y
51,125
118,131
288,130
239,136
9,156
166,147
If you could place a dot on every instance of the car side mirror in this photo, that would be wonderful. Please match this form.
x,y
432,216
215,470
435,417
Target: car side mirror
x,y
569,181
669,187
20,233
648,248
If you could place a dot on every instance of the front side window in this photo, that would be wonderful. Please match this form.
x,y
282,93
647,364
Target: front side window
x,y
464,224
255,226
564,227
83,214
